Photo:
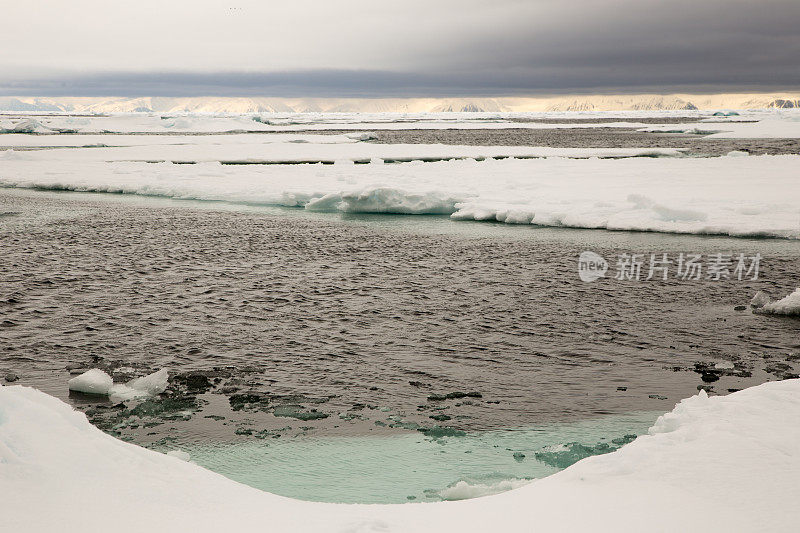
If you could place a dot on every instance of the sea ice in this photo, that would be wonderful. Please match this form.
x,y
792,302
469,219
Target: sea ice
x,y
93,381
735,456
27,125
673,194
150,385
760,300
790,305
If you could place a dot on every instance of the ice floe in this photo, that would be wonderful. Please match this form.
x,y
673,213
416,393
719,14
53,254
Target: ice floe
x,y
93,381
752,196
770,127
96,381
790,305
735,456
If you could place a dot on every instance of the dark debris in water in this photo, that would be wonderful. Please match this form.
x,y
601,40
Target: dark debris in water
x,y
438,432
296,411
453,396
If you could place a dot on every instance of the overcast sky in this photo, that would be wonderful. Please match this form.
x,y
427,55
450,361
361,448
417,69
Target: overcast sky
x,y
392,48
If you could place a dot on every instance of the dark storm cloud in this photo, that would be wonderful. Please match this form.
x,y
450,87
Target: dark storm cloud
x,y
584,46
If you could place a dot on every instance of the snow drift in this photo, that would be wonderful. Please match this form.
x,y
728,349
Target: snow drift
x,y
730,461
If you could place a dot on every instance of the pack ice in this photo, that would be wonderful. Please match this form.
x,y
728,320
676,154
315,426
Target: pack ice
x,y
96,381
730,463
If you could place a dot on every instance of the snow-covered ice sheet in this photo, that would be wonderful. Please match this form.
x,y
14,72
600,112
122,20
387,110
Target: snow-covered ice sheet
x,y
732,460
786,126
137,140
200,123
757,195
744,124
314,152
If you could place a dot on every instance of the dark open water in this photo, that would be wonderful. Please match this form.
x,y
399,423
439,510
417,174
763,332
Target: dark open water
x,y
369,316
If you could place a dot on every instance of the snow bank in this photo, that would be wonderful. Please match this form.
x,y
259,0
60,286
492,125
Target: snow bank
x,y
789,305
732,461
95,381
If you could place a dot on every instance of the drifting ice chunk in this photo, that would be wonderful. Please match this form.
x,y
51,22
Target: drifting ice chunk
x,y
759,300
93,381
363,136
786,306
149,385
152,384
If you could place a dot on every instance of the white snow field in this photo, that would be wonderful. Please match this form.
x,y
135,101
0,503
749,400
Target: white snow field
x,y
722,463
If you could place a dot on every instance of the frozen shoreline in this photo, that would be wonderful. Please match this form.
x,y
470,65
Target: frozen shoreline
x,y
692,464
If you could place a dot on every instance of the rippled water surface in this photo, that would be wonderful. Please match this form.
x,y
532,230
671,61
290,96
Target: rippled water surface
x,y
315,326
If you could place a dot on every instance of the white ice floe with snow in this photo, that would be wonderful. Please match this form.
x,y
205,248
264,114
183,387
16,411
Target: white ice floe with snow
x,y
264,149
755,195
96,381
570,187
789,306
210,123
784,126
734,460
69,140
753,124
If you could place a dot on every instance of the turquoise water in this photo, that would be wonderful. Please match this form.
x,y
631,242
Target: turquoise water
x,y
413,467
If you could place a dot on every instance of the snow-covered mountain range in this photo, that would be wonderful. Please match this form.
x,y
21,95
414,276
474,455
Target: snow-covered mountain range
x,y
641,102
